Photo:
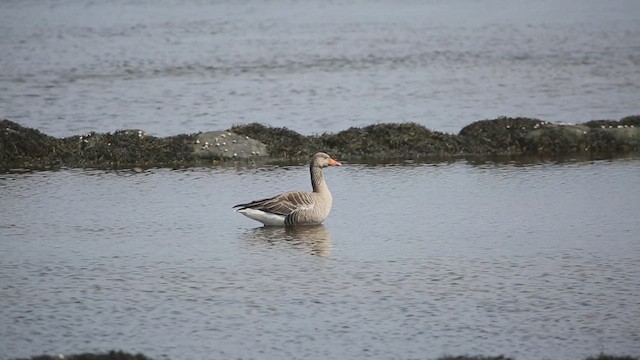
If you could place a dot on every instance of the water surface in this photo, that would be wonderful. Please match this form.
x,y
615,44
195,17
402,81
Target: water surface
x,y
416,261
182,66
533,261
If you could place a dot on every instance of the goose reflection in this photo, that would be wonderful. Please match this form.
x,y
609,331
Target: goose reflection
x,y
315,239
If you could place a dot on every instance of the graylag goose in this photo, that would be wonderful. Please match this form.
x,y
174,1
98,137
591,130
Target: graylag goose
x,y
296,207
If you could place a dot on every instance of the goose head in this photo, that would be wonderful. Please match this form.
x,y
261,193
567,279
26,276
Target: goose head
x,y
323,160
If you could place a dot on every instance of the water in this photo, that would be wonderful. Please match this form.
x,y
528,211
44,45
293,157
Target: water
x,y
536,261
177,66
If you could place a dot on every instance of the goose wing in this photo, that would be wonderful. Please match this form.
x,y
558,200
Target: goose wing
x,y
283,204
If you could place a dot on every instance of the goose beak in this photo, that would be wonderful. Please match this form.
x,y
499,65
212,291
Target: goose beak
x,y
334,163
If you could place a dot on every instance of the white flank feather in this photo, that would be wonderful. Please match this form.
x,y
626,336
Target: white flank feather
x,y
268,219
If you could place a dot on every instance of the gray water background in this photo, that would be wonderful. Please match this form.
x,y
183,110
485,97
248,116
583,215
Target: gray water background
x,y
535,261
177,66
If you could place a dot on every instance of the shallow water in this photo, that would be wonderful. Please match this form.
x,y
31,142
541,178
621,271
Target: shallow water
x,y
416,260
178,66
534,261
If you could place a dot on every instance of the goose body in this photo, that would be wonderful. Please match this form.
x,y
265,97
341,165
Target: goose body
x,y
296,207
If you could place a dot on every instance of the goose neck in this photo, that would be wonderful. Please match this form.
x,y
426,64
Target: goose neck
x,y
317,179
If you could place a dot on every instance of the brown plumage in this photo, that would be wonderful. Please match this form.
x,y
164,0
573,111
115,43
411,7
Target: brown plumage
x,y
296,207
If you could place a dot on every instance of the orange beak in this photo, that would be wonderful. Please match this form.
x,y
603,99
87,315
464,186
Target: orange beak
x,y
334,163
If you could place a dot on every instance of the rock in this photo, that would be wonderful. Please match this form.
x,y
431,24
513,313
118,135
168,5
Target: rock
x,y
220,145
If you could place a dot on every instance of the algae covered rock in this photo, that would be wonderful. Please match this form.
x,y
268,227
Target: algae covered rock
x,y
127,148
390,140
22,147
627,121
27,146
219,145
556,139
525,136
111,355
282,143
502,136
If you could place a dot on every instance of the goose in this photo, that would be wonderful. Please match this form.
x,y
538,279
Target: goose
x,y
296,207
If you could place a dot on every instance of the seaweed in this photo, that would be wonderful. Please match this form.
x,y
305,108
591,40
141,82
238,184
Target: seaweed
x,y
282,142
127,148
23,147
502,136
406,140
111,355
27,146
119,355
603,356
467,357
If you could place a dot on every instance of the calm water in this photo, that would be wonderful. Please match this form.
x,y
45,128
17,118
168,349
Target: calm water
x,y
415,261
180,66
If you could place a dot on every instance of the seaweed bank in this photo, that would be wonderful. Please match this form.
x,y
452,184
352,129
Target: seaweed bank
x,y
24,147
120,355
